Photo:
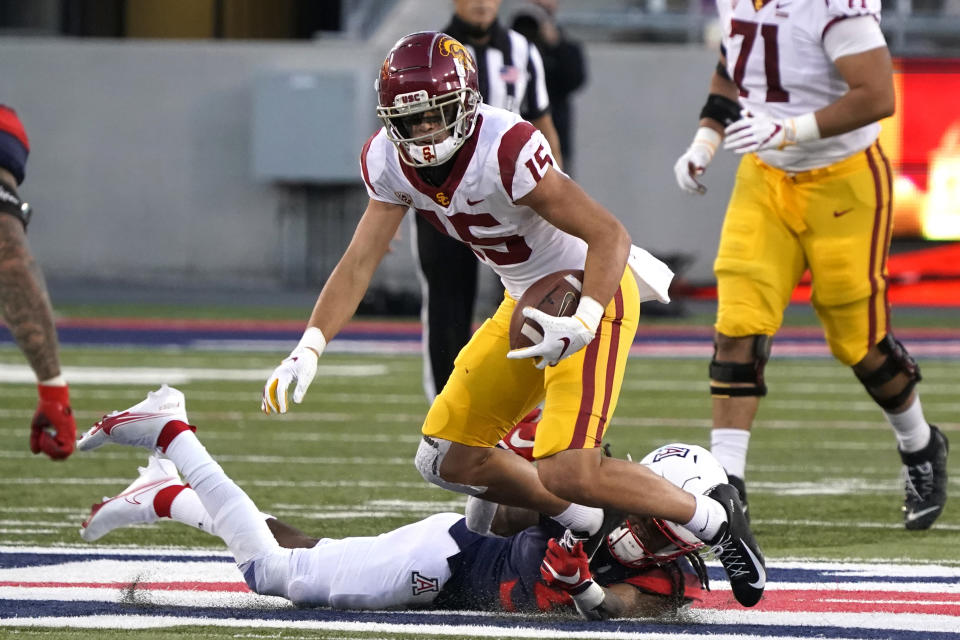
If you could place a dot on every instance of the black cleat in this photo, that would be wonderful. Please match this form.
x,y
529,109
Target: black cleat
x,y
737,550
925,482
741,487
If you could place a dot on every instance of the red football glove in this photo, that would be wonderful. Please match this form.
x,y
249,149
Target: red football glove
x,y
520,438
569,570
53,430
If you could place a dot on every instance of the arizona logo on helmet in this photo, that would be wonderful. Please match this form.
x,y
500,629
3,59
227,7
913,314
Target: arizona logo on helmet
x,y
450,47
668,451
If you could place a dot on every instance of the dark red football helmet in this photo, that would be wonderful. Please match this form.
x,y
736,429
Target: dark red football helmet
x,y
428,78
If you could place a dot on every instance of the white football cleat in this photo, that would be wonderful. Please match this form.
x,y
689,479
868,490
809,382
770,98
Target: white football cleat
x,y
141,424
135,504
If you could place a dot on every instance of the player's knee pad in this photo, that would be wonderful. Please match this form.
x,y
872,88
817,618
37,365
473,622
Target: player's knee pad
x,y
897,361
430,455
747,374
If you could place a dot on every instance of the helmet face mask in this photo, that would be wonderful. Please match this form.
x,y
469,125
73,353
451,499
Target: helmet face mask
x,y
428,97
641,541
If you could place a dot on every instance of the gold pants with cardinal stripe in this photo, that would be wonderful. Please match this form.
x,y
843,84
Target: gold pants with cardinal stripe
x,y
487,394
836,221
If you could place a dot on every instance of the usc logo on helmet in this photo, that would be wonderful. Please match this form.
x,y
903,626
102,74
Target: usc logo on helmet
x,y
450,47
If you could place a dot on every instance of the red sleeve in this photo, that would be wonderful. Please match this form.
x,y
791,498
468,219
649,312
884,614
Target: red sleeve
x,y
509,151
657,581
10,123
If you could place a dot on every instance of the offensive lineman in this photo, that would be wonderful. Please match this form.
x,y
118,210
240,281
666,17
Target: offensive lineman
x,y
486,177
644,566
799,90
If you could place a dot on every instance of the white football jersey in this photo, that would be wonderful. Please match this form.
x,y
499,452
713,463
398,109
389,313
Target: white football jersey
x,y
775,55
502,161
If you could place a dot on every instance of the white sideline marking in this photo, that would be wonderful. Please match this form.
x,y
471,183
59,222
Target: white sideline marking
x,y
15,373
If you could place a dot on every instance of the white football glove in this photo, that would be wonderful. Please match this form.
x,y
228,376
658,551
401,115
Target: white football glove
x,y
299,366
695,159
563,336
755,133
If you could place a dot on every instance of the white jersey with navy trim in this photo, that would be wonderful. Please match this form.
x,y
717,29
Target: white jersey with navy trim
x,y
406,567
775,55
502,161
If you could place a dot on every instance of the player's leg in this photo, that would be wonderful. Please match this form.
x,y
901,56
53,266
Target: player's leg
x,y
582,394
160,423
758,265
849,264
485,396
448,285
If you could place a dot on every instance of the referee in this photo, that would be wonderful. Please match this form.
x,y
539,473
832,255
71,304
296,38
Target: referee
x,y
511,77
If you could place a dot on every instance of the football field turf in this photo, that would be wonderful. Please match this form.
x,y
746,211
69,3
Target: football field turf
x,y
823,476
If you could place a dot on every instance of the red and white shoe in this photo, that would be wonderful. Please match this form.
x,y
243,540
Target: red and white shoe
x,y
133,506
141,424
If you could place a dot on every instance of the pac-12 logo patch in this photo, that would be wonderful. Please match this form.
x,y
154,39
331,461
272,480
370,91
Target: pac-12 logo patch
x,y
669,452
403,197
422,584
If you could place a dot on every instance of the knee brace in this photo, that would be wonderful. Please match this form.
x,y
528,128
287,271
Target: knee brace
x,y
430,455
747,373
897,361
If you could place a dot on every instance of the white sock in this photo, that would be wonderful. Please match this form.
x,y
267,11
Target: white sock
x,y
580,518
707,518
187,509
910,427
235,518
729,446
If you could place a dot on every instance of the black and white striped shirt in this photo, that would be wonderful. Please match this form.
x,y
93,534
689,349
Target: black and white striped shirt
x,y
509,69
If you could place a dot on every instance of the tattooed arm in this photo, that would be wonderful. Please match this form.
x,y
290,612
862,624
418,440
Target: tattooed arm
x,y
23,297
27,312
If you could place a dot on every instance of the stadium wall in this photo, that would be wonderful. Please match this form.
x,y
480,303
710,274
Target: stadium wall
x,y
141,156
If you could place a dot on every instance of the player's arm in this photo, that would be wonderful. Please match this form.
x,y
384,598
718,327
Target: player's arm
x,y
346,286
626,601
565,205
26,307
860,54
871,95
562,202
337,302
719,111
29,316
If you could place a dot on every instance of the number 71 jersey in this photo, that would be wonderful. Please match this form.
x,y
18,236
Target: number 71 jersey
x,y
500,163
776,57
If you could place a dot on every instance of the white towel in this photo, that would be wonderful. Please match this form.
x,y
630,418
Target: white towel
x,y
653,275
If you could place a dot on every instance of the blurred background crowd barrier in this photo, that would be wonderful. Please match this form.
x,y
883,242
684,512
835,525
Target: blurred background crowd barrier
x,y
215,143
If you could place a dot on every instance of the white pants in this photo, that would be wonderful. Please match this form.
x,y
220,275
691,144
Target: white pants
x,y
405,567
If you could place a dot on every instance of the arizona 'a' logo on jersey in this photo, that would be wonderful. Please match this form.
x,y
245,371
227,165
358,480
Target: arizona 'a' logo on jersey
x,y
422,584
670,452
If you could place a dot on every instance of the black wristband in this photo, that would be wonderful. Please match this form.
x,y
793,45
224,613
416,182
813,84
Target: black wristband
x,y
11,203
721,108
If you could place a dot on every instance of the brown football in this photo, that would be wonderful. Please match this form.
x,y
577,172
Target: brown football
x,y
557,294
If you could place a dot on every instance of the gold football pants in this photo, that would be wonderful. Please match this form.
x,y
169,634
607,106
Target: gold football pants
x,y
835,221
487,394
